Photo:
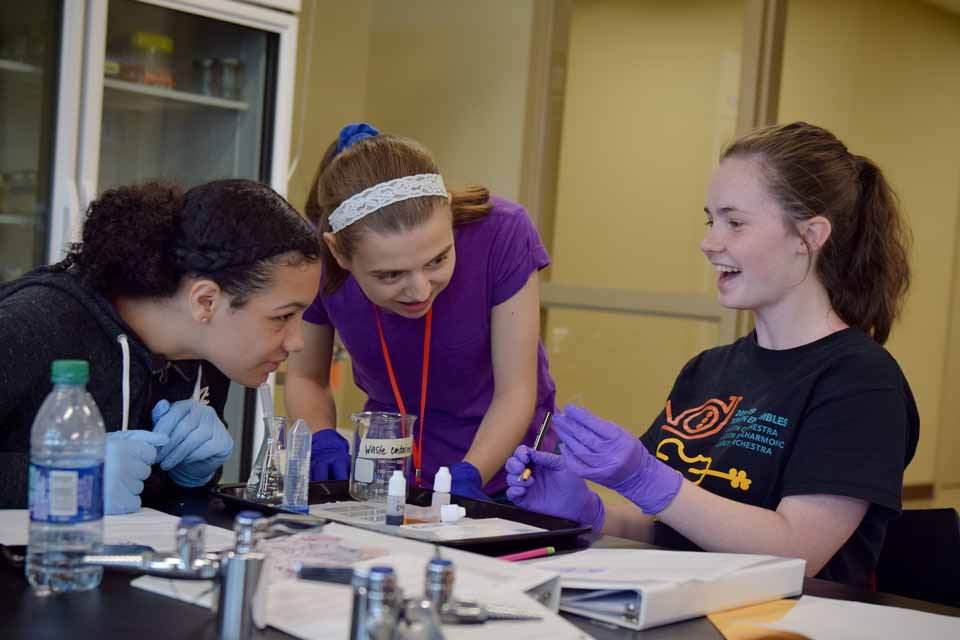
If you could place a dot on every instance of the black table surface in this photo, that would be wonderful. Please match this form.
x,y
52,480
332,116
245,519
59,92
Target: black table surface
x,y
116,610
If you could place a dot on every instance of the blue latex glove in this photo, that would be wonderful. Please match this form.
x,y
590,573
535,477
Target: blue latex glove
x,y
329,456
127,465
465,481
607,454
552,488
199,443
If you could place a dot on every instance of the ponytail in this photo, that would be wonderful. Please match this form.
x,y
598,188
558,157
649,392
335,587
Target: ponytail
x,y
868,276
864,264
469,204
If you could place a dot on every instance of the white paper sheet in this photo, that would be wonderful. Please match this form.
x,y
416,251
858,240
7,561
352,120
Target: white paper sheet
x,y
317,611
321,549
340,545
607,568
510,575
825,619
320,611
371,517
198,592
466,529
13,526
146,526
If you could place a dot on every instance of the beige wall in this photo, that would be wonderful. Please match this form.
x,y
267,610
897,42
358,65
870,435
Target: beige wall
x,y
650,99
450,73
331,89
851,73
453,74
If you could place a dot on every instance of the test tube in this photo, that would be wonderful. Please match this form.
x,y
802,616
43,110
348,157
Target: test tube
x,y
296,479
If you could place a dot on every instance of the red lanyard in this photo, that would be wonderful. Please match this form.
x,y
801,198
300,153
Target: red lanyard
x,y
417,448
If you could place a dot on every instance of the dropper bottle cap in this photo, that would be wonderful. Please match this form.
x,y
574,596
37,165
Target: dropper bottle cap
x,y
441,481
398,484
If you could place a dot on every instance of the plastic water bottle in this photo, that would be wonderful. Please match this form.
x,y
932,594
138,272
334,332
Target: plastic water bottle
x,y
67,450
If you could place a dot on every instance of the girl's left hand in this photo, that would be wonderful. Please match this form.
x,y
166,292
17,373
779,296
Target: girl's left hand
x,y
198,442
465,480
607,454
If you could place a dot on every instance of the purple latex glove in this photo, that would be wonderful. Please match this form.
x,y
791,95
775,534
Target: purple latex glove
x,y
605,453
329,456
552,488
465,481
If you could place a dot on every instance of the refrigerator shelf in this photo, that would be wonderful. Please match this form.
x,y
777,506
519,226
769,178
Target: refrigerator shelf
x,y
174,95
19,67
18,219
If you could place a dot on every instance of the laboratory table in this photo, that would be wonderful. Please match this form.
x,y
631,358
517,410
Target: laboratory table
x,y
116,610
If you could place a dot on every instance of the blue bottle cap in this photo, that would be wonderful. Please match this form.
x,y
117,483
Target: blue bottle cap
x,y
440,562
248,516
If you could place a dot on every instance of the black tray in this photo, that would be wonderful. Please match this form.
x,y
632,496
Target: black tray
x,y
560,533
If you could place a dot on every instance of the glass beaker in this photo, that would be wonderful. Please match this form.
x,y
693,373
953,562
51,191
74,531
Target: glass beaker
x,y
382,444
266,478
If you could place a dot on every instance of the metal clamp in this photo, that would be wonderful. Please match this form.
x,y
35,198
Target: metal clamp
x,y
380,612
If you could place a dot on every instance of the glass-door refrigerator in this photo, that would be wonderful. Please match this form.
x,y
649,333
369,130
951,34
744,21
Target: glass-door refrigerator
x,y
29,51
100,93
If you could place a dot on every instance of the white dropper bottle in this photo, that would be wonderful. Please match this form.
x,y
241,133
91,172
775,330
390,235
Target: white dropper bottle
x,y
441,489
396,498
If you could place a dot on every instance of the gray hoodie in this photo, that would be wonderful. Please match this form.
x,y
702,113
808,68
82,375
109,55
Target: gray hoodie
x,y
47,315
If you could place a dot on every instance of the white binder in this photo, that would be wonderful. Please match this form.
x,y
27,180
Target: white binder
x,y
643,588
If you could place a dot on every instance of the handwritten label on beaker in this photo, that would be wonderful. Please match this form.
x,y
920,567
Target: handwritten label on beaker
x,y
381,448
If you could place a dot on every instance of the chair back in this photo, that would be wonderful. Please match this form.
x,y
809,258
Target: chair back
x,y
921,556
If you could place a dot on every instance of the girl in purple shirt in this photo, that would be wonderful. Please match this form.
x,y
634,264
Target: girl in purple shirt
x,y
415,274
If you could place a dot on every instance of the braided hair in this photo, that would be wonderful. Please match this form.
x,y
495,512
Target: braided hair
x,y
141,241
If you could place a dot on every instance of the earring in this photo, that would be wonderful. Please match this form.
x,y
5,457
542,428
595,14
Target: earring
x,y
204,319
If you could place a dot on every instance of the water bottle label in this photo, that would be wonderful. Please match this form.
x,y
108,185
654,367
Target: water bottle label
x,y
60,495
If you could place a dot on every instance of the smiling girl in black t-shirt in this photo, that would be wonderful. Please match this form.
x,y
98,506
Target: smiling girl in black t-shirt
x,y
793,440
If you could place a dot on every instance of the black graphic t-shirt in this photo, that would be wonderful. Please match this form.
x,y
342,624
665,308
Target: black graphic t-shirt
x,y
835,416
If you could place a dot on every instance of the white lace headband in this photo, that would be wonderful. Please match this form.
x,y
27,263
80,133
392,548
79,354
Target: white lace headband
x,y
362,204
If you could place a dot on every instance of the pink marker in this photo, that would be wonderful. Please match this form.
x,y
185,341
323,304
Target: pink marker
x,y
526,555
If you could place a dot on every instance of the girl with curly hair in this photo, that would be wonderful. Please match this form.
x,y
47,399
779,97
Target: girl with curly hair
x,y
169,296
